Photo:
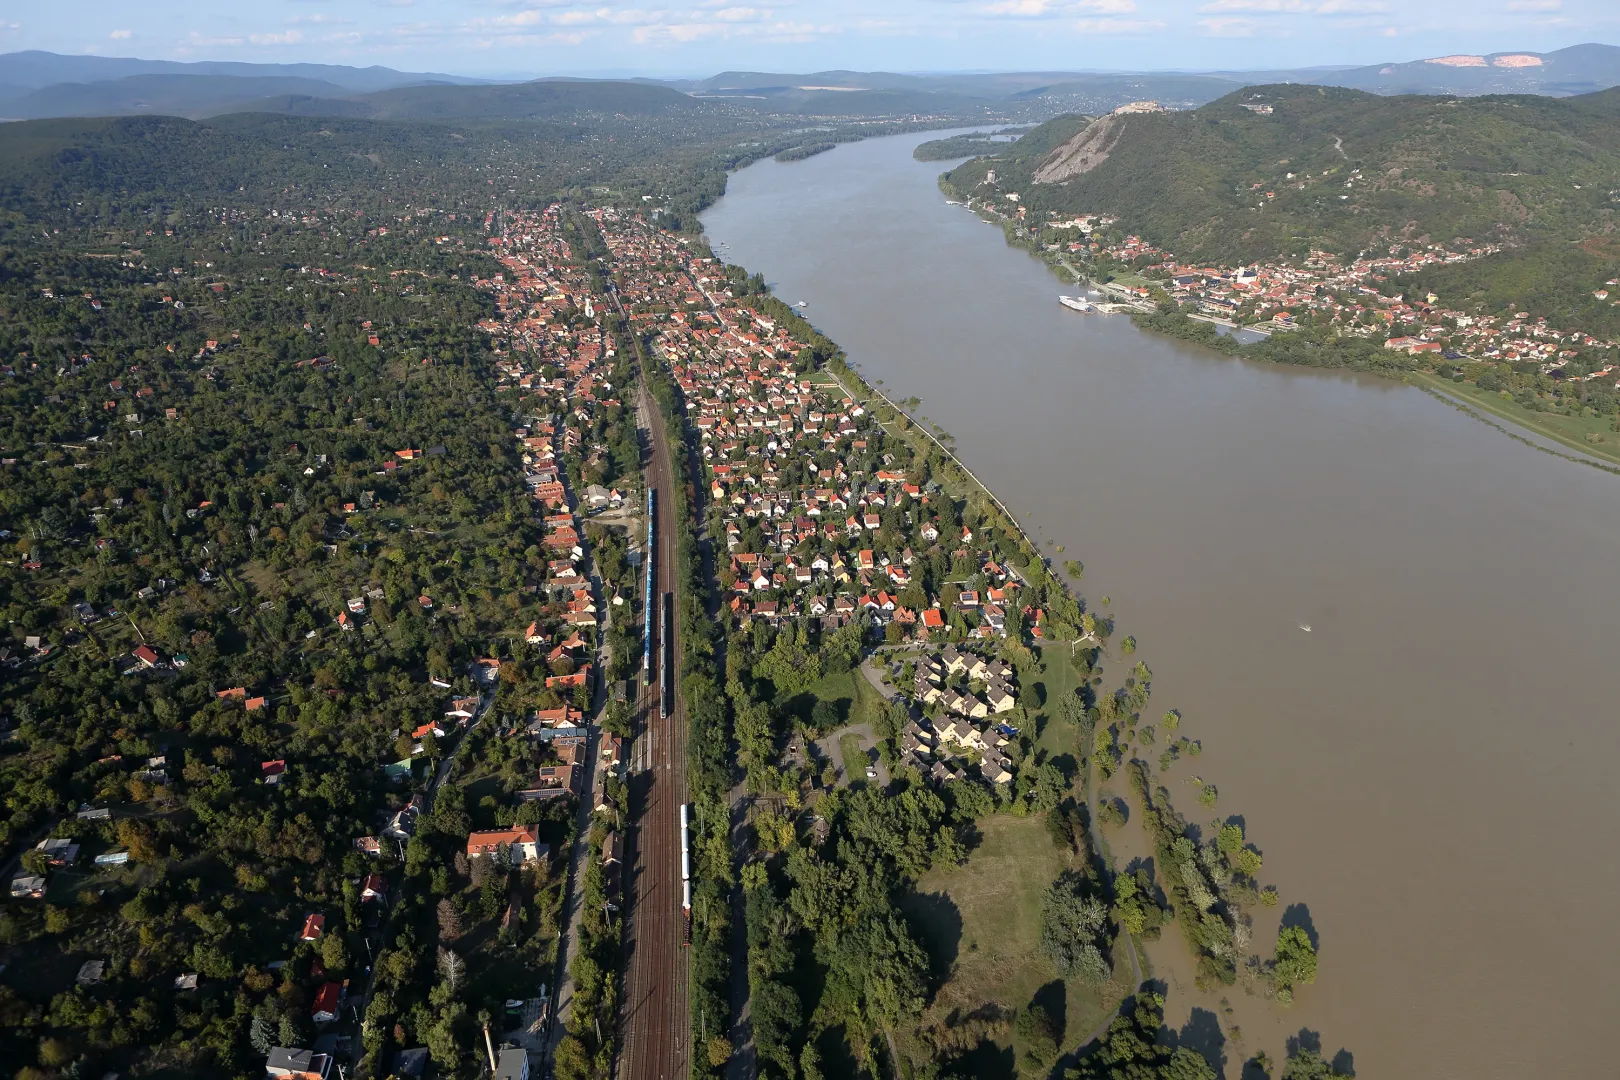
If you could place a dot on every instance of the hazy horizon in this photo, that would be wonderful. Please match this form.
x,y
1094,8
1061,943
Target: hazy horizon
x,y
517,39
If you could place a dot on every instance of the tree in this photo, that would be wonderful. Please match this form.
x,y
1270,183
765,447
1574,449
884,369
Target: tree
x,y
449,921
1309,1064
262,1034
1039,1033
1073,929
333,955
1049,788
291,1031
452,968
886,967
1295,961
1129,1050
1187,1064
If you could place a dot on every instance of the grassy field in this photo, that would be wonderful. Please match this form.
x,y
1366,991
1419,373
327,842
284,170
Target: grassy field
x,y
854,698
982,923
1051,678
1588,434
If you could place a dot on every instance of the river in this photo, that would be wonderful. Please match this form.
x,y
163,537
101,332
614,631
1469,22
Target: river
x,y
1427,769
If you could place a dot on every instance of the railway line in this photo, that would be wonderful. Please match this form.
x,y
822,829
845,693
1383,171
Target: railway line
x,y
656,1021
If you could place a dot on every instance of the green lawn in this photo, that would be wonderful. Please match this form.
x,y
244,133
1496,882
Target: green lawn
x,y
854,757
1590,435
855,699
1047,681
982,923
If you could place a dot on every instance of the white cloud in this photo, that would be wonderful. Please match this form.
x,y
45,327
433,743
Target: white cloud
x,y
1536,5
1352,7
1266,7
1118,26
1038,9
741,14
195,40
288,37
120,35
1228,27
1022,9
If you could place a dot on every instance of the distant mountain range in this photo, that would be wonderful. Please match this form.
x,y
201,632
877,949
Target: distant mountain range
x,y
36,85
1579,69
33,70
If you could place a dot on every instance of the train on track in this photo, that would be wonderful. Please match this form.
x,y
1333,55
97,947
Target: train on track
x,y
666,689
647,589
686,872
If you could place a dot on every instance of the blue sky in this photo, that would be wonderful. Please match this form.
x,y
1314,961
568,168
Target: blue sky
x,y
538,37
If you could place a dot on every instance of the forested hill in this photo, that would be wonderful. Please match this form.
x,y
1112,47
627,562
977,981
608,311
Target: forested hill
x,y
1273,171
73,172
545,99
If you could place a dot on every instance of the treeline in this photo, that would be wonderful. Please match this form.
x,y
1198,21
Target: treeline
x,y
1306,347
587,1051
805,150
1135,1047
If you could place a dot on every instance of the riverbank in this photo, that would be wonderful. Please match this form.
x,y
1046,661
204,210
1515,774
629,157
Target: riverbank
x,y
1206,961
1221,503
1594,436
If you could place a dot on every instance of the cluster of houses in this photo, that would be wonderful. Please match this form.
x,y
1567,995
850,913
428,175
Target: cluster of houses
x,y
1348,296
817,522
958,696
551,350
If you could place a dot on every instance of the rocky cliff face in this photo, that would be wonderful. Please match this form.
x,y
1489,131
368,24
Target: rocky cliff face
x,y
1084,152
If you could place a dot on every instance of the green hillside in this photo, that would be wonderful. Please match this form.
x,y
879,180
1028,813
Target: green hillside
x,y
1345,171
521,101
173,95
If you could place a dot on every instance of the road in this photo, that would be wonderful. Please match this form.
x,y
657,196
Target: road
x,y
656,1022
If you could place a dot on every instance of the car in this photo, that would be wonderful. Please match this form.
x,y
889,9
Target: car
x,y
871,772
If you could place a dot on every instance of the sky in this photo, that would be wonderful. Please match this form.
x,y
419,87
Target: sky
x,y
527,38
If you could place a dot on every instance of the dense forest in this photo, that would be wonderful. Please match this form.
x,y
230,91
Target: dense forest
x,y
263,510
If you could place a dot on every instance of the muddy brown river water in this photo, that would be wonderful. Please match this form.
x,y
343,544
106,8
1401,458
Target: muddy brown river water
x,y
1429,769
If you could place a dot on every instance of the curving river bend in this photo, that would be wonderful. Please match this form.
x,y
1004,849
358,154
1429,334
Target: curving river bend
x,y
1430,769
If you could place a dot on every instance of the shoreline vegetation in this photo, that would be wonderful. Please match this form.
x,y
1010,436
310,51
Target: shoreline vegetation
x,y
1204,880
1555,402
968,144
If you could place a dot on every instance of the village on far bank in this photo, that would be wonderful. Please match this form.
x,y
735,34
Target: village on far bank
x,y
1323,289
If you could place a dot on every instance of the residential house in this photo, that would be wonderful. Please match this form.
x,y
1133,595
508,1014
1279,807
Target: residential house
x,y
28,887
327,1002
373,887
513,1064
59,851
522,843
285,1064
